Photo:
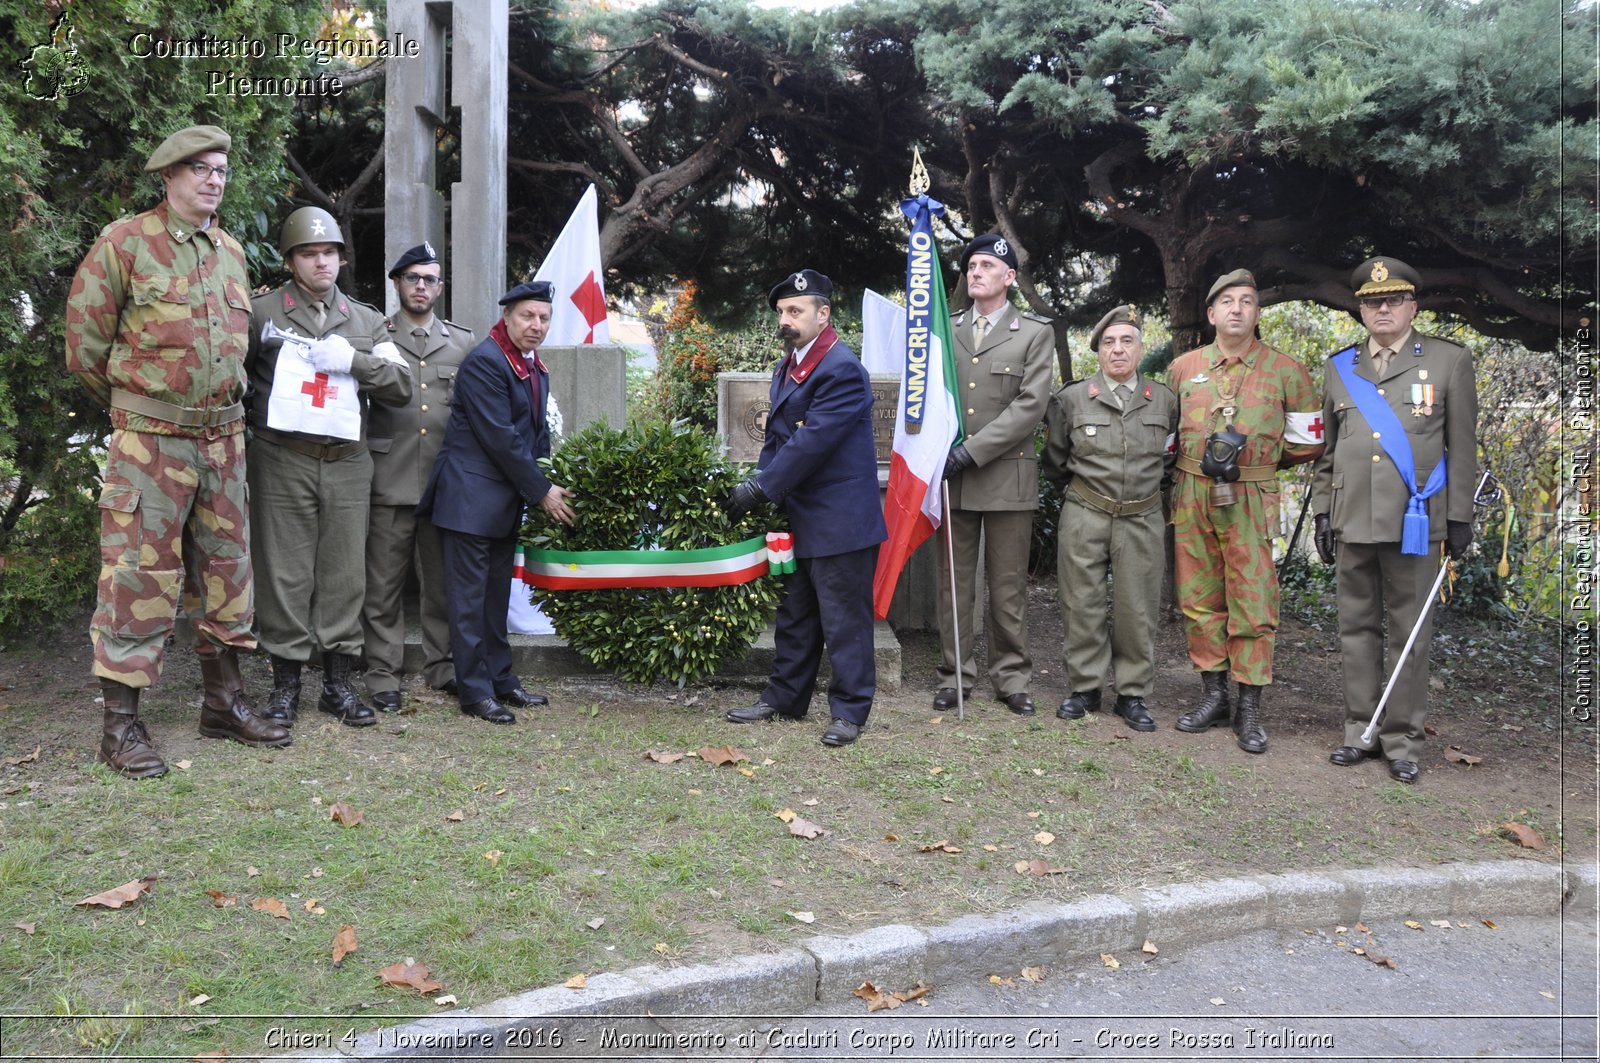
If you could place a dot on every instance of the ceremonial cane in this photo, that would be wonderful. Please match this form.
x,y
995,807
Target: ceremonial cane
x,y
1288,551
955,605
1480,497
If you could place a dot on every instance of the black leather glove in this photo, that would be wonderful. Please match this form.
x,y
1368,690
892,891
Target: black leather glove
x,y
744,497
958,461
1323,537
1457,537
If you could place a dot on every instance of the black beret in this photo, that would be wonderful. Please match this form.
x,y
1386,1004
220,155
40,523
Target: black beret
x,y
805,282
541,291
422,254
992,244
1380,276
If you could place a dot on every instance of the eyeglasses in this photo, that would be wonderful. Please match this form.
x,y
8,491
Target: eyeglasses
x,y
1375,302
422,279
204,170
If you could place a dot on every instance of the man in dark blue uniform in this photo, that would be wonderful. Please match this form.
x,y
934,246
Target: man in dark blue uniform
x,y
818,464
487,470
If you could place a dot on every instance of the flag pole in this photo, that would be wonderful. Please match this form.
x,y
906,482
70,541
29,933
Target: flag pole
x,y
955,605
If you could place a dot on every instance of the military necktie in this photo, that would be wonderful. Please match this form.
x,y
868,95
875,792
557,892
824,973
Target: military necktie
x,y
1380,361
1124,395
420,335
980,326
319,314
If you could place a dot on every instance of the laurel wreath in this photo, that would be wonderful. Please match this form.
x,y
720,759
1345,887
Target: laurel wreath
x,y
641,488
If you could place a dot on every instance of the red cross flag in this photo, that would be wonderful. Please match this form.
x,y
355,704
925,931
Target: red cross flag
x,y
573,266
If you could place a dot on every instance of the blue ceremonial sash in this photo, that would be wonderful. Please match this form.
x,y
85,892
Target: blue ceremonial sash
x,y
1392,435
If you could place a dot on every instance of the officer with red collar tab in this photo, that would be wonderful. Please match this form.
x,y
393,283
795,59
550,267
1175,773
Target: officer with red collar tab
x,y
819,465
487,470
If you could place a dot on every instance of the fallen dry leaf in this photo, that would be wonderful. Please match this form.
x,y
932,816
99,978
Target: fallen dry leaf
x,y
935,771
1109,960
499,793
184,765
457,816
940,846
222,900
126,893
937,719
1547,994
252,872
1413,924
1034,974
660,947
196,1001
748,773
344,815
804,828
344,942
314,908
26,928
316,872
1382,961
596,923
1034,815
1523,835
1442,924
412,974
1490,923
721,755
1428,728
1361,928
878,1000
810,802
1149,947
995,979
577,981
785,814
445,1000
1037,868
661,757
803,917
271,905
891,837
1218,1001
493,856
12,762
991,848
1044,837
1457,756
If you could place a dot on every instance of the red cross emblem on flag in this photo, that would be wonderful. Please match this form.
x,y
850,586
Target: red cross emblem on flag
x,y
591,303
320,390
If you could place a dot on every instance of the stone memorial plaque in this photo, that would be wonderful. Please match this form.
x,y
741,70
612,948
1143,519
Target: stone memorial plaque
x,y
742,408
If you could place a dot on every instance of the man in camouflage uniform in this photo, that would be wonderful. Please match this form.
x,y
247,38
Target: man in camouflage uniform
x,y
309,494
156,331
404,441
1110,446
1360,501
1003,359
1224,522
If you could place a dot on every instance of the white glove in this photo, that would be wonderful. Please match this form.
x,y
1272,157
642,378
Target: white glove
x,y
331,354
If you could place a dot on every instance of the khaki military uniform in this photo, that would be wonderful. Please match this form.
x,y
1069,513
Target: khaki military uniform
x,y
1358,488
309,495
404,440
1001,389
1227,582
1112,460
156,329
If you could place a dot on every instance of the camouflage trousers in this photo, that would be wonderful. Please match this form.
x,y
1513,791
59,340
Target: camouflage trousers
x,y
1227,583
173,521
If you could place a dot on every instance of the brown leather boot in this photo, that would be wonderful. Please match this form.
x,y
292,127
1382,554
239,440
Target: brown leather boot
x,y
1214,710
224,711
125,745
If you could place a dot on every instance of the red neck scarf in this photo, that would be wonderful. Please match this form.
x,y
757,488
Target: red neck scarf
x,y
519,362
825,341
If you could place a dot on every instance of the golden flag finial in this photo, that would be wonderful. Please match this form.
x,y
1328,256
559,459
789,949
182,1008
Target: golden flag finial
x,y
920,182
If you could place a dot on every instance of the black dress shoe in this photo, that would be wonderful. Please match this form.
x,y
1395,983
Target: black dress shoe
x,y
448,687
760,711
491,710
387,701
1078,703
1403,771
1020,703
1345,756
1134,712
521,698
841,733
945,697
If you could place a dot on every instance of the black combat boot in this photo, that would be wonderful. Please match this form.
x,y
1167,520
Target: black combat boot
x,y
339,695
1247,724
1214,709
125,745
283,704
225,710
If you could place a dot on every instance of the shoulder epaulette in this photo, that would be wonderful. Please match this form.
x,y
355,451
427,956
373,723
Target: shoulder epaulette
x,y
1031,316
1442,339
452,324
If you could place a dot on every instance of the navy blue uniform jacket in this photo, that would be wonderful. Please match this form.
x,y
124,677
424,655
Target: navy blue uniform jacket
x,y
818,460
488,467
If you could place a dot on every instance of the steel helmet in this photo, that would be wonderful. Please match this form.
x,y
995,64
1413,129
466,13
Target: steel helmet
x,y
308,225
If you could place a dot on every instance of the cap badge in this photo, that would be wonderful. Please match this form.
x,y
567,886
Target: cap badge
x,y
427,249
1001,248
318,229
1380,272
800,283
1133,316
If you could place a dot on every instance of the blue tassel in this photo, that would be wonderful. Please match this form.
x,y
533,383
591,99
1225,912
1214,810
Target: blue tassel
x,y
1414,533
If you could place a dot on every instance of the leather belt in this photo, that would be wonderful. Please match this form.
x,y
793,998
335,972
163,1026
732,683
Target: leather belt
x,y
182,416
1250,474
320,451
1112,506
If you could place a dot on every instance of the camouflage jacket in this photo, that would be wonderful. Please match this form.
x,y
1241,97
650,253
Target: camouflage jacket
x,y
161,311
1254,395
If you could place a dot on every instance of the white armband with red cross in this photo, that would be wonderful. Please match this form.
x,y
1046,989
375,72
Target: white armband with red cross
x,y
1304,429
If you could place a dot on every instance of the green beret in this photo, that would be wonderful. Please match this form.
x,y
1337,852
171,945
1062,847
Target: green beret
x,y
186,144
1231,280
1379,276
1122,315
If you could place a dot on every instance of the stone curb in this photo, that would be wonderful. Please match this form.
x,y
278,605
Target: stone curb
x,y
826,970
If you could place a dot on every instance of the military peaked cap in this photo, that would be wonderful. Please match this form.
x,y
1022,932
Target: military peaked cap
x,y
992,244
540,291
1380,276
1122,315
421,255
805,282
186,144
1231,280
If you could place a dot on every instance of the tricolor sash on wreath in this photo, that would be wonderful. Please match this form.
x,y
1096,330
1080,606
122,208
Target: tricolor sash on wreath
x,y
717,566
1392,436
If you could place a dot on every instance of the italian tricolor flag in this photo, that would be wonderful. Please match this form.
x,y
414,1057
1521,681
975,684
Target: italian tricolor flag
x,y
928,421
